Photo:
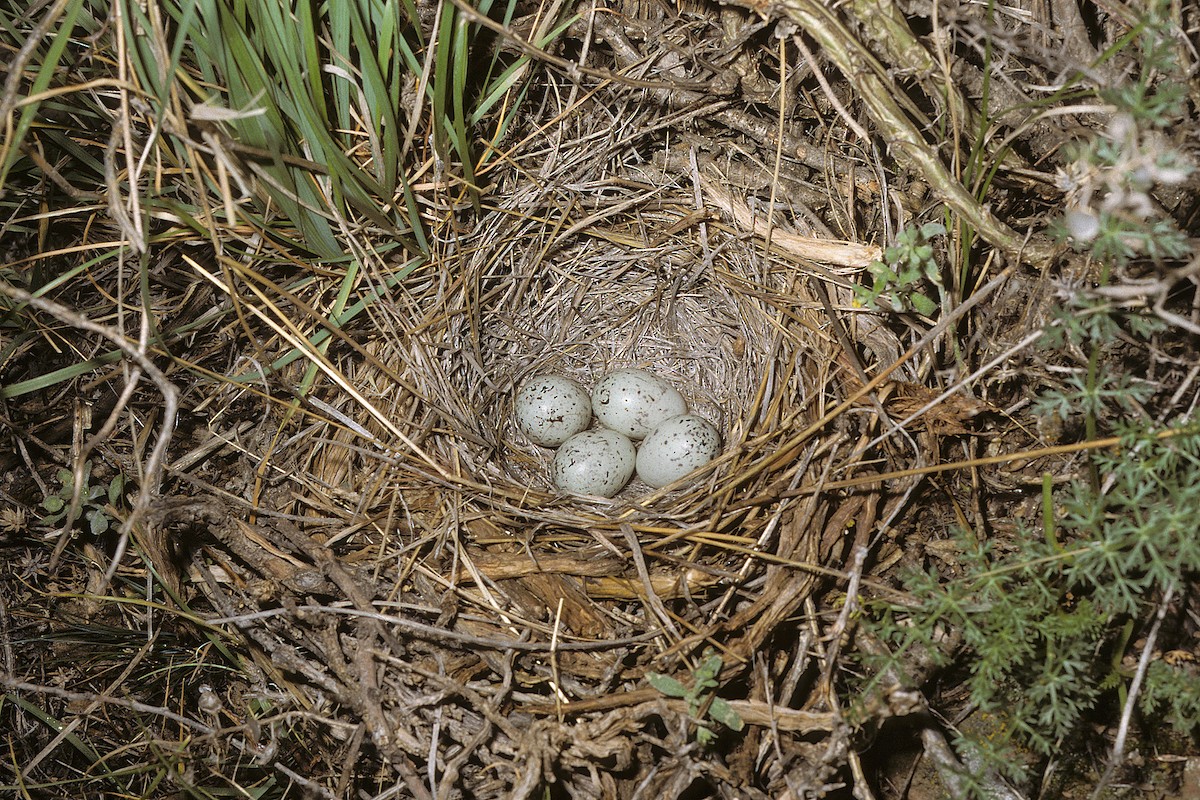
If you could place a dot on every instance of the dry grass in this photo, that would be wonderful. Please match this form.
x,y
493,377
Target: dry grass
x,y
353,576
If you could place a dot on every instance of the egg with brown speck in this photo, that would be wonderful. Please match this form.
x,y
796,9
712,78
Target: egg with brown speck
x,y
596,462
552,408
677,447
634,402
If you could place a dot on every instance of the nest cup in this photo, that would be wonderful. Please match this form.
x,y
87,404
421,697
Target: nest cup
x,y
736,336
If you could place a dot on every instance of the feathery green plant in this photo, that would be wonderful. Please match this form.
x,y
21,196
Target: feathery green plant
x,y
1046,625
1109,176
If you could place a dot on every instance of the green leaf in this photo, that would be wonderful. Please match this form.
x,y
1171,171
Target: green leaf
x,y
922,304
706,674
98,521
666,684
53,504
115,489
723,713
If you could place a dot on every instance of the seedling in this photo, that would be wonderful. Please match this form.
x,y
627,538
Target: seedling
x,y
700,698
904,276
92,499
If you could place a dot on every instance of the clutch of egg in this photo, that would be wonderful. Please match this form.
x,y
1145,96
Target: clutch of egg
x,y
553,410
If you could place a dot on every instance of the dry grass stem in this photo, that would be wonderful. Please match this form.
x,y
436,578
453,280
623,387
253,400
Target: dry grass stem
x,y
301,540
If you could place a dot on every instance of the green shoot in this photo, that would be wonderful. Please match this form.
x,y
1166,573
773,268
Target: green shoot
x,y
699,695
907,272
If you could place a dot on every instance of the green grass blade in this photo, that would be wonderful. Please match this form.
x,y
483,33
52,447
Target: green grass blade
x,y
47,65
55,725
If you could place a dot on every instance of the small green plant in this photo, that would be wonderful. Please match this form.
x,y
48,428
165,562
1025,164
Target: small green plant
x,y
1109,177
95,499
700,696
1050,620
908,269
1046,623
1172,693
1091,324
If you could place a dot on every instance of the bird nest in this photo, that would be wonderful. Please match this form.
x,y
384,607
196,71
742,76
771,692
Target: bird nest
x,y
464,603
739,340
737,334
438,602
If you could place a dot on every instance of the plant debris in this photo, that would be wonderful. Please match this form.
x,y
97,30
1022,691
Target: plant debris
x,y
269,525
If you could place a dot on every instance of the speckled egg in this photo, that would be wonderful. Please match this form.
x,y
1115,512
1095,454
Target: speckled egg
x,y
598,462
634,402
551,409
675,448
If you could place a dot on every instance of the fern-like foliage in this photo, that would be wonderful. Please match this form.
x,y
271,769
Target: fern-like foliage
x,y
1045,625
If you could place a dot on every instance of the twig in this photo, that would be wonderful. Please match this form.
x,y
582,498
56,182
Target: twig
x,y
11,682
1135,687
66,730
443,635
843,620
968,380
954,774
154,464
639,560
830,95
834,252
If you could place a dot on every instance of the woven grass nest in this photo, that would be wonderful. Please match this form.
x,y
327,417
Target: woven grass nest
x,y
446,605
741,336
742,344
517,623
